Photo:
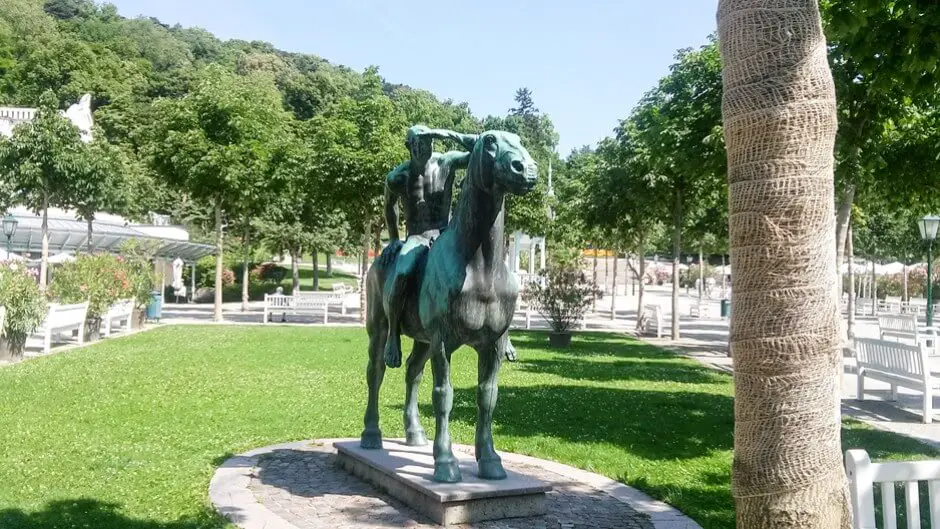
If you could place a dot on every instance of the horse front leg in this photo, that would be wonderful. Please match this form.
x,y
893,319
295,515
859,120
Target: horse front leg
x,y
446,469
414,433
488,461
375,373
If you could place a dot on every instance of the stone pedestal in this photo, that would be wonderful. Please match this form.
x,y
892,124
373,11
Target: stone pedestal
x,y
405,473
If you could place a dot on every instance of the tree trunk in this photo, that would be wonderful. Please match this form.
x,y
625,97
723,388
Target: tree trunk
x,y
316,269
724,276
295,269
217,307
90,222
779,115
850,308
365,272
44,261
594,295
905,298
676,249
874,289
246,241
606,271
642,287
701,275
329,263
842,220
613,294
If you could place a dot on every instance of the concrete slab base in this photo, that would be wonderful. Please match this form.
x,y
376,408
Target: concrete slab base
x,y
405,472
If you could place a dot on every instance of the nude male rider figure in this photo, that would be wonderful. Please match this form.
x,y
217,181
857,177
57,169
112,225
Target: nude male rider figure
x,y
425,184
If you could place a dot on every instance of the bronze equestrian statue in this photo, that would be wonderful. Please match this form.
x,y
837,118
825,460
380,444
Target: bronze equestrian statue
x,y
424,184
460,293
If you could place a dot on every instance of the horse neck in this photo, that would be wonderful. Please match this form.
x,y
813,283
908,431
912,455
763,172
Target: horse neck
x,y
478,225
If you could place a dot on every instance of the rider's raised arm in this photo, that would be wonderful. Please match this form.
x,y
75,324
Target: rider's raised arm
x,y
467,140
394,188
449,162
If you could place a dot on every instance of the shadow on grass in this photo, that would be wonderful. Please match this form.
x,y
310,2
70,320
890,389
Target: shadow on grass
x,y
93,514
655,425
655,371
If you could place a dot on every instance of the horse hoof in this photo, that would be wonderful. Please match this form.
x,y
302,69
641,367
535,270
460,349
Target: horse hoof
x,y
417,438
491,469
446,472
371,441
392,355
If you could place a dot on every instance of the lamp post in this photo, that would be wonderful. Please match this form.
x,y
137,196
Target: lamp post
x,y
928,232
9,228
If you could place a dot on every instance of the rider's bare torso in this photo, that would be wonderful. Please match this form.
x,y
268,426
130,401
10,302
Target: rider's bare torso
x,y
427,194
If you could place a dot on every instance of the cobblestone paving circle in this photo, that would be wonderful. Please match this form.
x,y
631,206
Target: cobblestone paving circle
x,y
306,488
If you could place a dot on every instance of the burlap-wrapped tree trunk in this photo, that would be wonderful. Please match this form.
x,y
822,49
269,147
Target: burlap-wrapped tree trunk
x,y
780,123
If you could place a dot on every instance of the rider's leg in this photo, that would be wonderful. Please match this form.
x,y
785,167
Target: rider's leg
x,y
396,296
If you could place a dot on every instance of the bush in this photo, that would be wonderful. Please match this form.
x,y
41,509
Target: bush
x,y
564,296
137,258
268,272
24,304
101,279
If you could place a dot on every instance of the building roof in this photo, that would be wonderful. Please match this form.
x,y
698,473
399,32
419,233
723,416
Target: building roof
x,y
68,234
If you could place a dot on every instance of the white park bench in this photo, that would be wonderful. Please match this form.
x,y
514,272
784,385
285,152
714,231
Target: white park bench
x,y
890,304
915,306
341,292
899,365
651,320
700,310
907,328
60,319
863,475
300,303
118,315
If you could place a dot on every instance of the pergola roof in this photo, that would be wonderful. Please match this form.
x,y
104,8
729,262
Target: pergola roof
x,y
71,235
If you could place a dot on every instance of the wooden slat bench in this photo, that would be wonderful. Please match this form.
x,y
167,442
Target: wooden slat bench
x,y
863,475
300,303
898,364
890,304
118,316
651,321
62,318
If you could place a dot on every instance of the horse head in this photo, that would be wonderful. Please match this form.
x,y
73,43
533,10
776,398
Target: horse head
x,y
500,163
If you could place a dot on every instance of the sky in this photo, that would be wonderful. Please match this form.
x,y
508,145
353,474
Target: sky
x,y
587,62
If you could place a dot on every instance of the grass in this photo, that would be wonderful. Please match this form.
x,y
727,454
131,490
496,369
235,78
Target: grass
x,y
127,434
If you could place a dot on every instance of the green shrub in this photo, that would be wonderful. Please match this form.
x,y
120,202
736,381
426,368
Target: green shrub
x,y
24,304
563,298
137,257
101,279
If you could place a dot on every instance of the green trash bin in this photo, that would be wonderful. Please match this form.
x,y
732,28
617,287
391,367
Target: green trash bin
x,y
726,308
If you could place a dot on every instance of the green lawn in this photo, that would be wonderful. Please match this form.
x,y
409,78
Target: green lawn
x,y
126,434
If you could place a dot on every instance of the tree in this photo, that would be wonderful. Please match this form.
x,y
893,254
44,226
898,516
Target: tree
x,y
98,187
42,163
675,133
354,144
779,115
215,144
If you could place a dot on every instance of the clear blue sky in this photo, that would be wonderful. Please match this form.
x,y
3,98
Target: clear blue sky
x,y
587,62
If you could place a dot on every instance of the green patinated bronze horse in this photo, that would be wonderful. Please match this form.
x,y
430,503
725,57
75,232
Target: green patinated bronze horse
x,y
462,294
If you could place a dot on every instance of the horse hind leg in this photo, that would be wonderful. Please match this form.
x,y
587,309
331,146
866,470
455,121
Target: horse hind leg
x,y
488,461
375,373
446,469
414,432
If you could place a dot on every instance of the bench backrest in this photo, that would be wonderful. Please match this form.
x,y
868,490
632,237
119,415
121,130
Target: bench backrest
x,y
311,300
899,359
918,302
896,300
898,322
121,307
66,314
653,314
278,300
863,475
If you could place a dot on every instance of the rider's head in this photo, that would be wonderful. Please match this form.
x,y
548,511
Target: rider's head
x,y
418,144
